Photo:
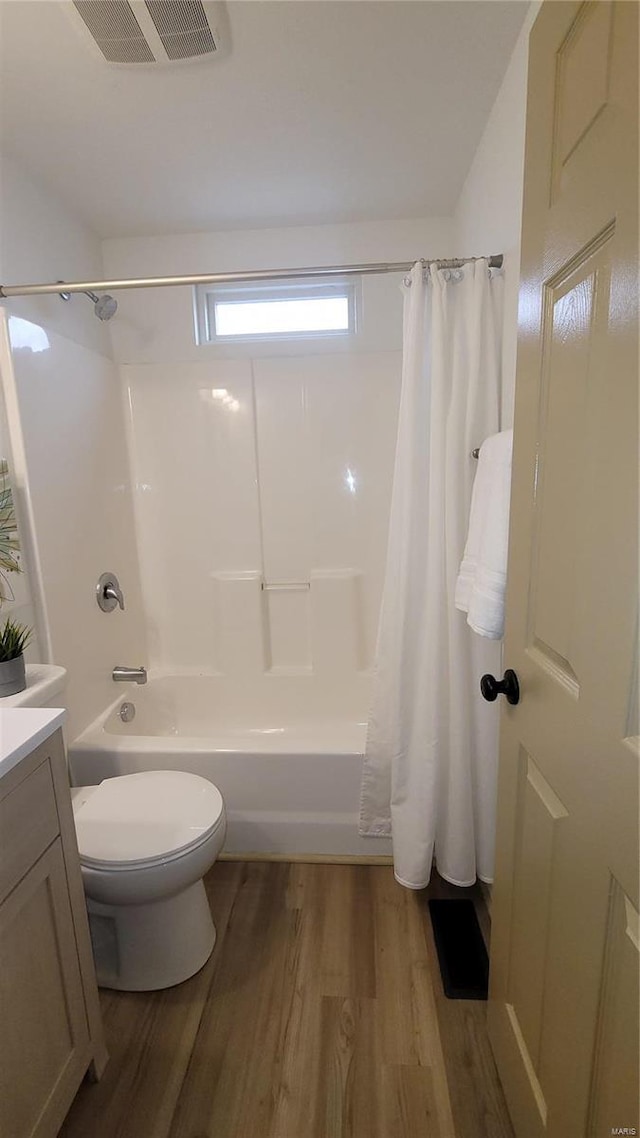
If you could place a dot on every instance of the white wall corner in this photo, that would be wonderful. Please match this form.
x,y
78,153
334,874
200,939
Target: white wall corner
x,y
488,214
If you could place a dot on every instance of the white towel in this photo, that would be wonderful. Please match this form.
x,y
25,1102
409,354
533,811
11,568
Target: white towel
x,y
481,584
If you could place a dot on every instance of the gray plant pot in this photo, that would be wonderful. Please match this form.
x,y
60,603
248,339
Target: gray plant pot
x,y
12,676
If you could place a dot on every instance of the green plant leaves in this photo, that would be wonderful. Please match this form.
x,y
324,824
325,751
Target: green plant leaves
x,y
14,638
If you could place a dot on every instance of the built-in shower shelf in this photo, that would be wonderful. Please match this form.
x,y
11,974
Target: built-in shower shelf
x,y
286,585
305,625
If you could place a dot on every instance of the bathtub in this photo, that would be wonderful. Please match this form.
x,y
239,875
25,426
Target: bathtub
x,y
285,751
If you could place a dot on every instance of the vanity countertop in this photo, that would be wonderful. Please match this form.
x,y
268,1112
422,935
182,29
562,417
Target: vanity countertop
x,y
22,729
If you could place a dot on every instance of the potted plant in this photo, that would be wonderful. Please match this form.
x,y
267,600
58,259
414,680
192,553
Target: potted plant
x,y
14,638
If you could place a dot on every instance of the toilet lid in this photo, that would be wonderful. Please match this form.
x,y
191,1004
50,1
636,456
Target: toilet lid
x,y
147,816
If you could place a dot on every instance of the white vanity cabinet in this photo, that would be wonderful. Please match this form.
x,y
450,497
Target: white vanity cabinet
x,y
50,1027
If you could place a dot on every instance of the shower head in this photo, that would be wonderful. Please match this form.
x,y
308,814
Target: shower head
x,y
104,306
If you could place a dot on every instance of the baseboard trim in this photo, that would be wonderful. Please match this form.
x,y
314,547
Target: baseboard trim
x,y
313,859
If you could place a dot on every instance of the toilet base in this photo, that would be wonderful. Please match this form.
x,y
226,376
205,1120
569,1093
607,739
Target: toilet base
x,y
142,948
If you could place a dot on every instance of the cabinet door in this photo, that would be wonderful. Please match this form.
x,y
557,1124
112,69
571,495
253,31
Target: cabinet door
x,y
45,1038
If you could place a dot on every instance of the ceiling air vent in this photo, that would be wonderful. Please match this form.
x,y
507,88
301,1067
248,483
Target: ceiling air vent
x,y
148,31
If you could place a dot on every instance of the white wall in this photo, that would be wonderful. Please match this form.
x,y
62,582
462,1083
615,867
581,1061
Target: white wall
x,y
66,430
41,241
158,324
488,213
293,486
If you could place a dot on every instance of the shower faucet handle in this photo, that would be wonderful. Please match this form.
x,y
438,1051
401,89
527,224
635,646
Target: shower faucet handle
x,y
113,593
108,593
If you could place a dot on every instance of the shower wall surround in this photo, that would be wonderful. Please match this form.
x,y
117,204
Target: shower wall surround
x,y
262,473
286,485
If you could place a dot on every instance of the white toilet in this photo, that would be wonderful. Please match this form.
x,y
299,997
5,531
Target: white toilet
x,y
145,842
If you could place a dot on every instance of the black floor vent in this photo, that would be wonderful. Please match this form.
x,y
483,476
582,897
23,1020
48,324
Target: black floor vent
x,y
462,956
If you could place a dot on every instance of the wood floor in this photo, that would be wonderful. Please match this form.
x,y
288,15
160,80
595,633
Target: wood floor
x,y
319,1015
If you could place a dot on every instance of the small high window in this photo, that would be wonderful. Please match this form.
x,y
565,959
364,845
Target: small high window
x,y
275,310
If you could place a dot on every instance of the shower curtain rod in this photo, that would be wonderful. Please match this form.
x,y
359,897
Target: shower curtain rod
x,y
7,291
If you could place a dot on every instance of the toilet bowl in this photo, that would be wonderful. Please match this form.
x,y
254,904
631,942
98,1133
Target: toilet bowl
x,y
145,842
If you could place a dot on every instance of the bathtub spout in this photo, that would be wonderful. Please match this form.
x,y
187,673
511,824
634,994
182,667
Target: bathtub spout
x,y
124,675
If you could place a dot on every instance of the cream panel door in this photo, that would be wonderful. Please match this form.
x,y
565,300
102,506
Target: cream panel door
x,y
563,1011
45,1036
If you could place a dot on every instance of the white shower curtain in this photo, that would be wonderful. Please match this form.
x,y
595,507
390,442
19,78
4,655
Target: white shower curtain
x,y
431,756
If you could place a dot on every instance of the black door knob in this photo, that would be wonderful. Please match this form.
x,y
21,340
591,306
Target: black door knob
x,y
491,688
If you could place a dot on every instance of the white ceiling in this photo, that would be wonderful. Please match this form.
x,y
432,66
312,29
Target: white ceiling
x,y
317,112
